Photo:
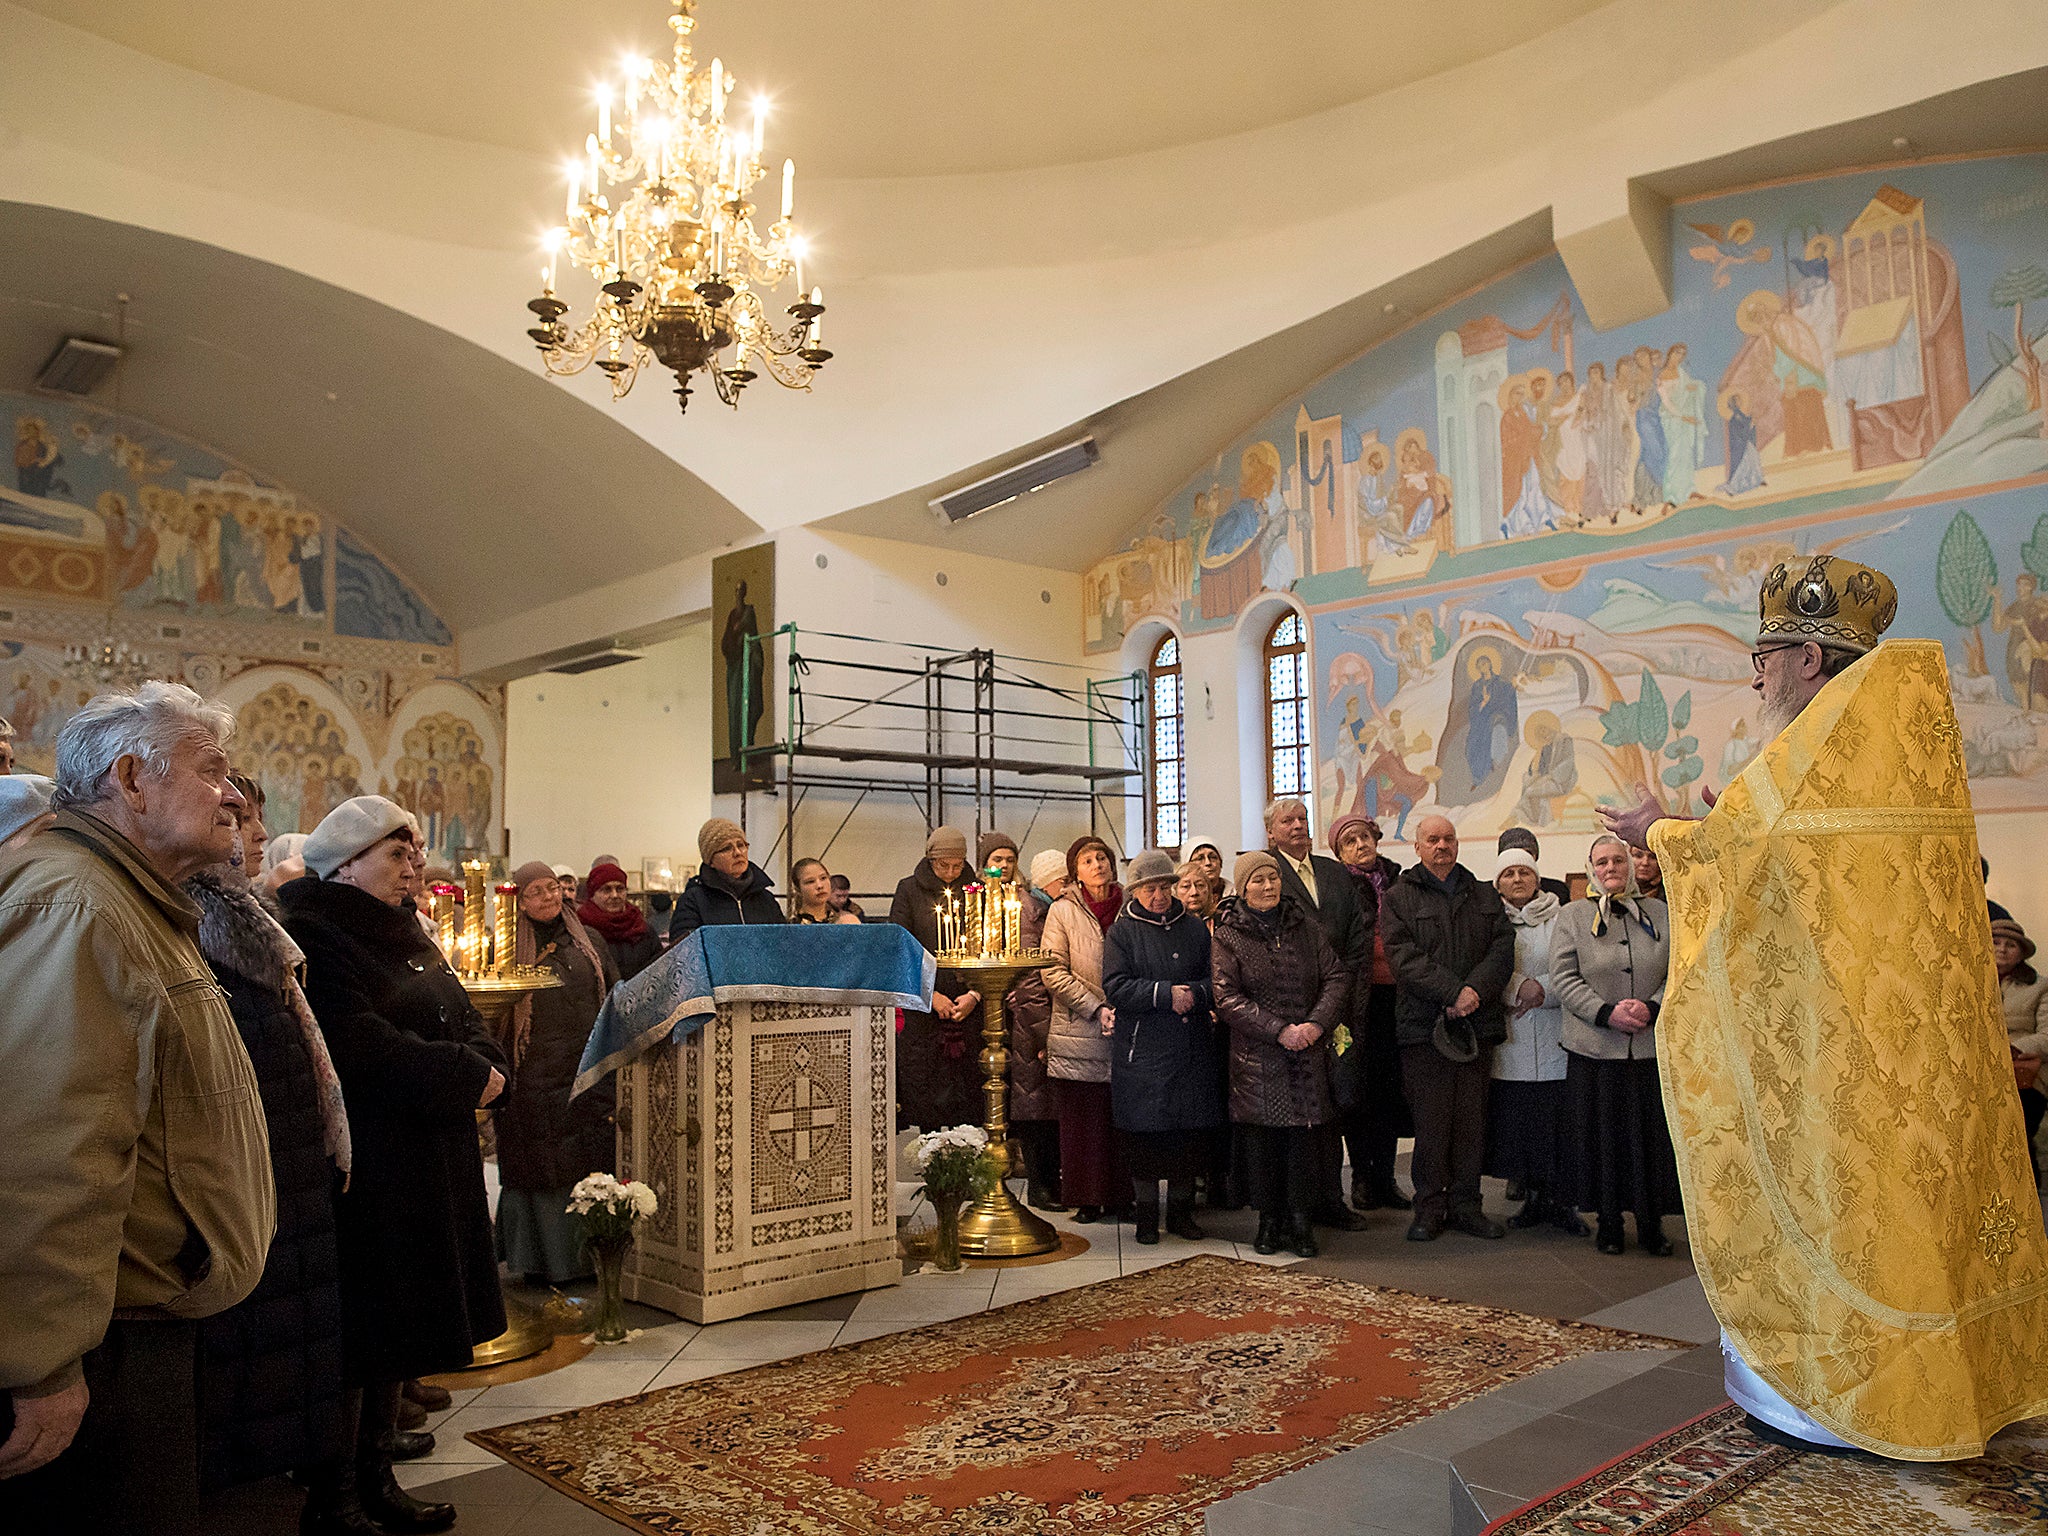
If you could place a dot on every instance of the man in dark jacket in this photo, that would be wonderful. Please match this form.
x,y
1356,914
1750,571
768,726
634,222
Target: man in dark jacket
x,y
1452,950
1325,889
729,888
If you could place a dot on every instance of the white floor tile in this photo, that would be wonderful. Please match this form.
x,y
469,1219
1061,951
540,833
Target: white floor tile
x,y
592,1380
743,1340
932,1306
685,1368
660,1344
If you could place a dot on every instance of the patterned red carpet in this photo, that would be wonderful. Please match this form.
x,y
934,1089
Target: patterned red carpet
x,y
1125,1407
1713,1478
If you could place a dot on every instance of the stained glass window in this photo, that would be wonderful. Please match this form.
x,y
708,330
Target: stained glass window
x,y
1167,755
1289,773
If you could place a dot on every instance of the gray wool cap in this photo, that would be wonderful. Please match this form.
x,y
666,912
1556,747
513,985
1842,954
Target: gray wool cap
x,y
348,829
1149,866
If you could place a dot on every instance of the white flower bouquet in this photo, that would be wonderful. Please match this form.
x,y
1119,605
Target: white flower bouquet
x,y
956,1163
610,1209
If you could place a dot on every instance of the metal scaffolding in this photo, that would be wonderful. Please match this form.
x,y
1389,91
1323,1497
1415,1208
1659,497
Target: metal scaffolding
x,y
945,730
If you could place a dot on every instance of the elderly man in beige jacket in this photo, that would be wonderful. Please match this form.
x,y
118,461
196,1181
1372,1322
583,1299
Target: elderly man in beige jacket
x,y
135,1185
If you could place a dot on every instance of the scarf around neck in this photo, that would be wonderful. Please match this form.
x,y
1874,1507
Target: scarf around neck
x,y
1105,910
626,926
1536,911
526,951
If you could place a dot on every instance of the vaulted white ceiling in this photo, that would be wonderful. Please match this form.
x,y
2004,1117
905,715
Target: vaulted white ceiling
x,y
864,88
1146,218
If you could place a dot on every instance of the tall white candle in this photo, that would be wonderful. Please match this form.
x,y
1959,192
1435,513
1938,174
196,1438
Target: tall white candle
x,y
789,193
818,321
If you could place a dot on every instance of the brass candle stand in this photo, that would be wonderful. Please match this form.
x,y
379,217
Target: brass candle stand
x,y
996,1226
495,994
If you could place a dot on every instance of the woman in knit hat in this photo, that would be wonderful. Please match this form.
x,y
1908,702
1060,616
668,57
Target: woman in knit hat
x,y
547,1140
613,915
1165,1070
938,1076
996,851
1093,1176
728,887
419,1270
1373,1131
1280,990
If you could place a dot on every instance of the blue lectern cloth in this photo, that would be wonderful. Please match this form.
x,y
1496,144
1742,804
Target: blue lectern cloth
x,y
874,963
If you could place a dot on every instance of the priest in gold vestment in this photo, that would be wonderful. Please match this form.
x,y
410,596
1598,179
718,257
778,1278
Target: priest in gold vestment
x,y
1834,1061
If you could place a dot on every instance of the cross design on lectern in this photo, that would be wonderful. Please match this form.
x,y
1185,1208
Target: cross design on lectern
x,y
802,1118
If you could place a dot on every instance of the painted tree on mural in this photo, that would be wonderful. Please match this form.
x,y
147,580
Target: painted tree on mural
x,y
1660,730
2011,290
1965,577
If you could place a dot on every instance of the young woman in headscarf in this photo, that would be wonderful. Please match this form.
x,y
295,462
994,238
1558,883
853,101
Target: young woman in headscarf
x,y
938,1075
1093,1176
547,1140
1608,959
1525,1107
613,916
1374,1129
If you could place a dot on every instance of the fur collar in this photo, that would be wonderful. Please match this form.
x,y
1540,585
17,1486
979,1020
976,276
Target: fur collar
x,y
238,933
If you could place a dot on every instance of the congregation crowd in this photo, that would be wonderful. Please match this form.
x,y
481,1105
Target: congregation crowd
x,y
244,1206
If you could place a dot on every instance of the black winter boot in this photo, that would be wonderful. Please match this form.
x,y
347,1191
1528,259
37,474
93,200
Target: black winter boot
x,y
1268,1240
1146,1215
1180,1220
1301,1236
393,1508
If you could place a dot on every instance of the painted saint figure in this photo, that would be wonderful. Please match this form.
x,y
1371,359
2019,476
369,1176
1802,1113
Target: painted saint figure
x,y
746,694
1745,464
1682,411
1492,712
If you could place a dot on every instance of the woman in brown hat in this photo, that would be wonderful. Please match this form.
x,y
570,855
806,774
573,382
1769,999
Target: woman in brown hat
x,y
2025,993
938,1076
1093,1177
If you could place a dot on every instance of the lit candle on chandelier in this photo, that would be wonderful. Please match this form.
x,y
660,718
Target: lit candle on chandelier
x,y
789,195
818,320
760,125
508,924
575,193
604,114
590,146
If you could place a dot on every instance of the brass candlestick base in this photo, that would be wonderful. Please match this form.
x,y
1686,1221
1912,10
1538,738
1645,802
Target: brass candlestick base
x,y
495,996
996,1226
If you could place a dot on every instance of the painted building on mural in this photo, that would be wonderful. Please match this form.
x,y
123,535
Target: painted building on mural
x,y
342,677
1530,551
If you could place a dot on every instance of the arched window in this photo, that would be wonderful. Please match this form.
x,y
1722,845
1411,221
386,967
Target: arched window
x,y
1167,753
1288,772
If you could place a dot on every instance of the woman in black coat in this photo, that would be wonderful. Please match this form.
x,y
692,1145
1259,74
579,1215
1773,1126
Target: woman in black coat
x,y
728,889
938,1072
419,1270
1280,988
547,1140
1165,1071
270,1366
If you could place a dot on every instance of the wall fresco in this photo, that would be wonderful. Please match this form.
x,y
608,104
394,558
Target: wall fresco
x,y
1531,550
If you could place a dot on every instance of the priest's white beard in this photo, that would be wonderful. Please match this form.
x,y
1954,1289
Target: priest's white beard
x,y
1781,707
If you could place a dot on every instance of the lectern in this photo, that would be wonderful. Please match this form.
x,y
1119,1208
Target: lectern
x,y
756,1095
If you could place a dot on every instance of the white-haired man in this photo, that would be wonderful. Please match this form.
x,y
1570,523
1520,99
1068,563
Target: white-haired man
x,y
135,1183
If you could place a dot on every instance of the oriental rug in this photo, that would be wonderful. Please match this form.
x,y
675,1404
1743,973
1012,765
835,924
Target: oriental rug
x,y
1713,1478
1114,1409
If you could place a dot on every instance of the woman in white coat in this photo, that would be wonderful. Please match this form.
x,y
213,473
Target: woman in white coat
x,y
1525,1109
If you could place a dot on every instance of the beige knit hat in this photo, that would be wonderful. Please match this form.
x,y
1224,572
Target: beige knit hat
x,y
1250,863
717,835
1048,865
946,843
349,828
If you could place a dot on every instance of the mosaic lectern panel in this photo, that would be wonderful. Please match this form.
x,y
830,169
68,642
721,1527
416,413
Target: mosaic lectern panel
x,y
803,1093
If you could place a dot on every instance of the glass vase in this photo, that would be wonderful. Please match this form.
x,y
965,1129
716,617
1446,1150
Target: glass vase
x,y
946,1242
608,1309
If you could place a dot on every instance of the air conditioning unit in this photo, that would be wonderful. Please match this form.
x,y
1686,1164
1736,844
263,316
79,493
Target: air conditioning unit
x,y
77,367
1018,480
596,662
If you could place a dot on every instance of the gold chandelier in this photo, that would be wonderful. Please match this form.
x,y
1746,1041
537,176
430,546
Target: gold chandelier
x,y
680,262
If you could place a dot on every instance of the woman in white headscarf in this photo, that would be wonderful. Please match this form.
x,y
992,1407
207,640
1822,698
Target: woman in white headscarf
x,y
1608,960
1526,1108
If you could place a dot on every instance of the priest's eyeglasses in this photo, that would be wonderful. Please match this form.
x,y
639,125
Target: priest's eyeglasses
x,y
1756,657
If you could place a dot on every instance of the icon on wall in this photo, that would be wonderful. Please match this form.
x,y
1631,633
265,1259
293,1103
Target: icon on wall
x,y
743,609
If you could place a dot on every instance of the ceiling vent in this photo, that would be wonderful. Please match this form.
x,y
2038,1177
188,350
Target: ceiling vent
x,y
1018,480
595,663
77,367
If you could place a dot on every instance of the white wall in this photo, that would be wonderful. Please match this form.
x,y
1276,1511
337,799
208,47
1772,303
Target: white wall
x,y
617,761
883,590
